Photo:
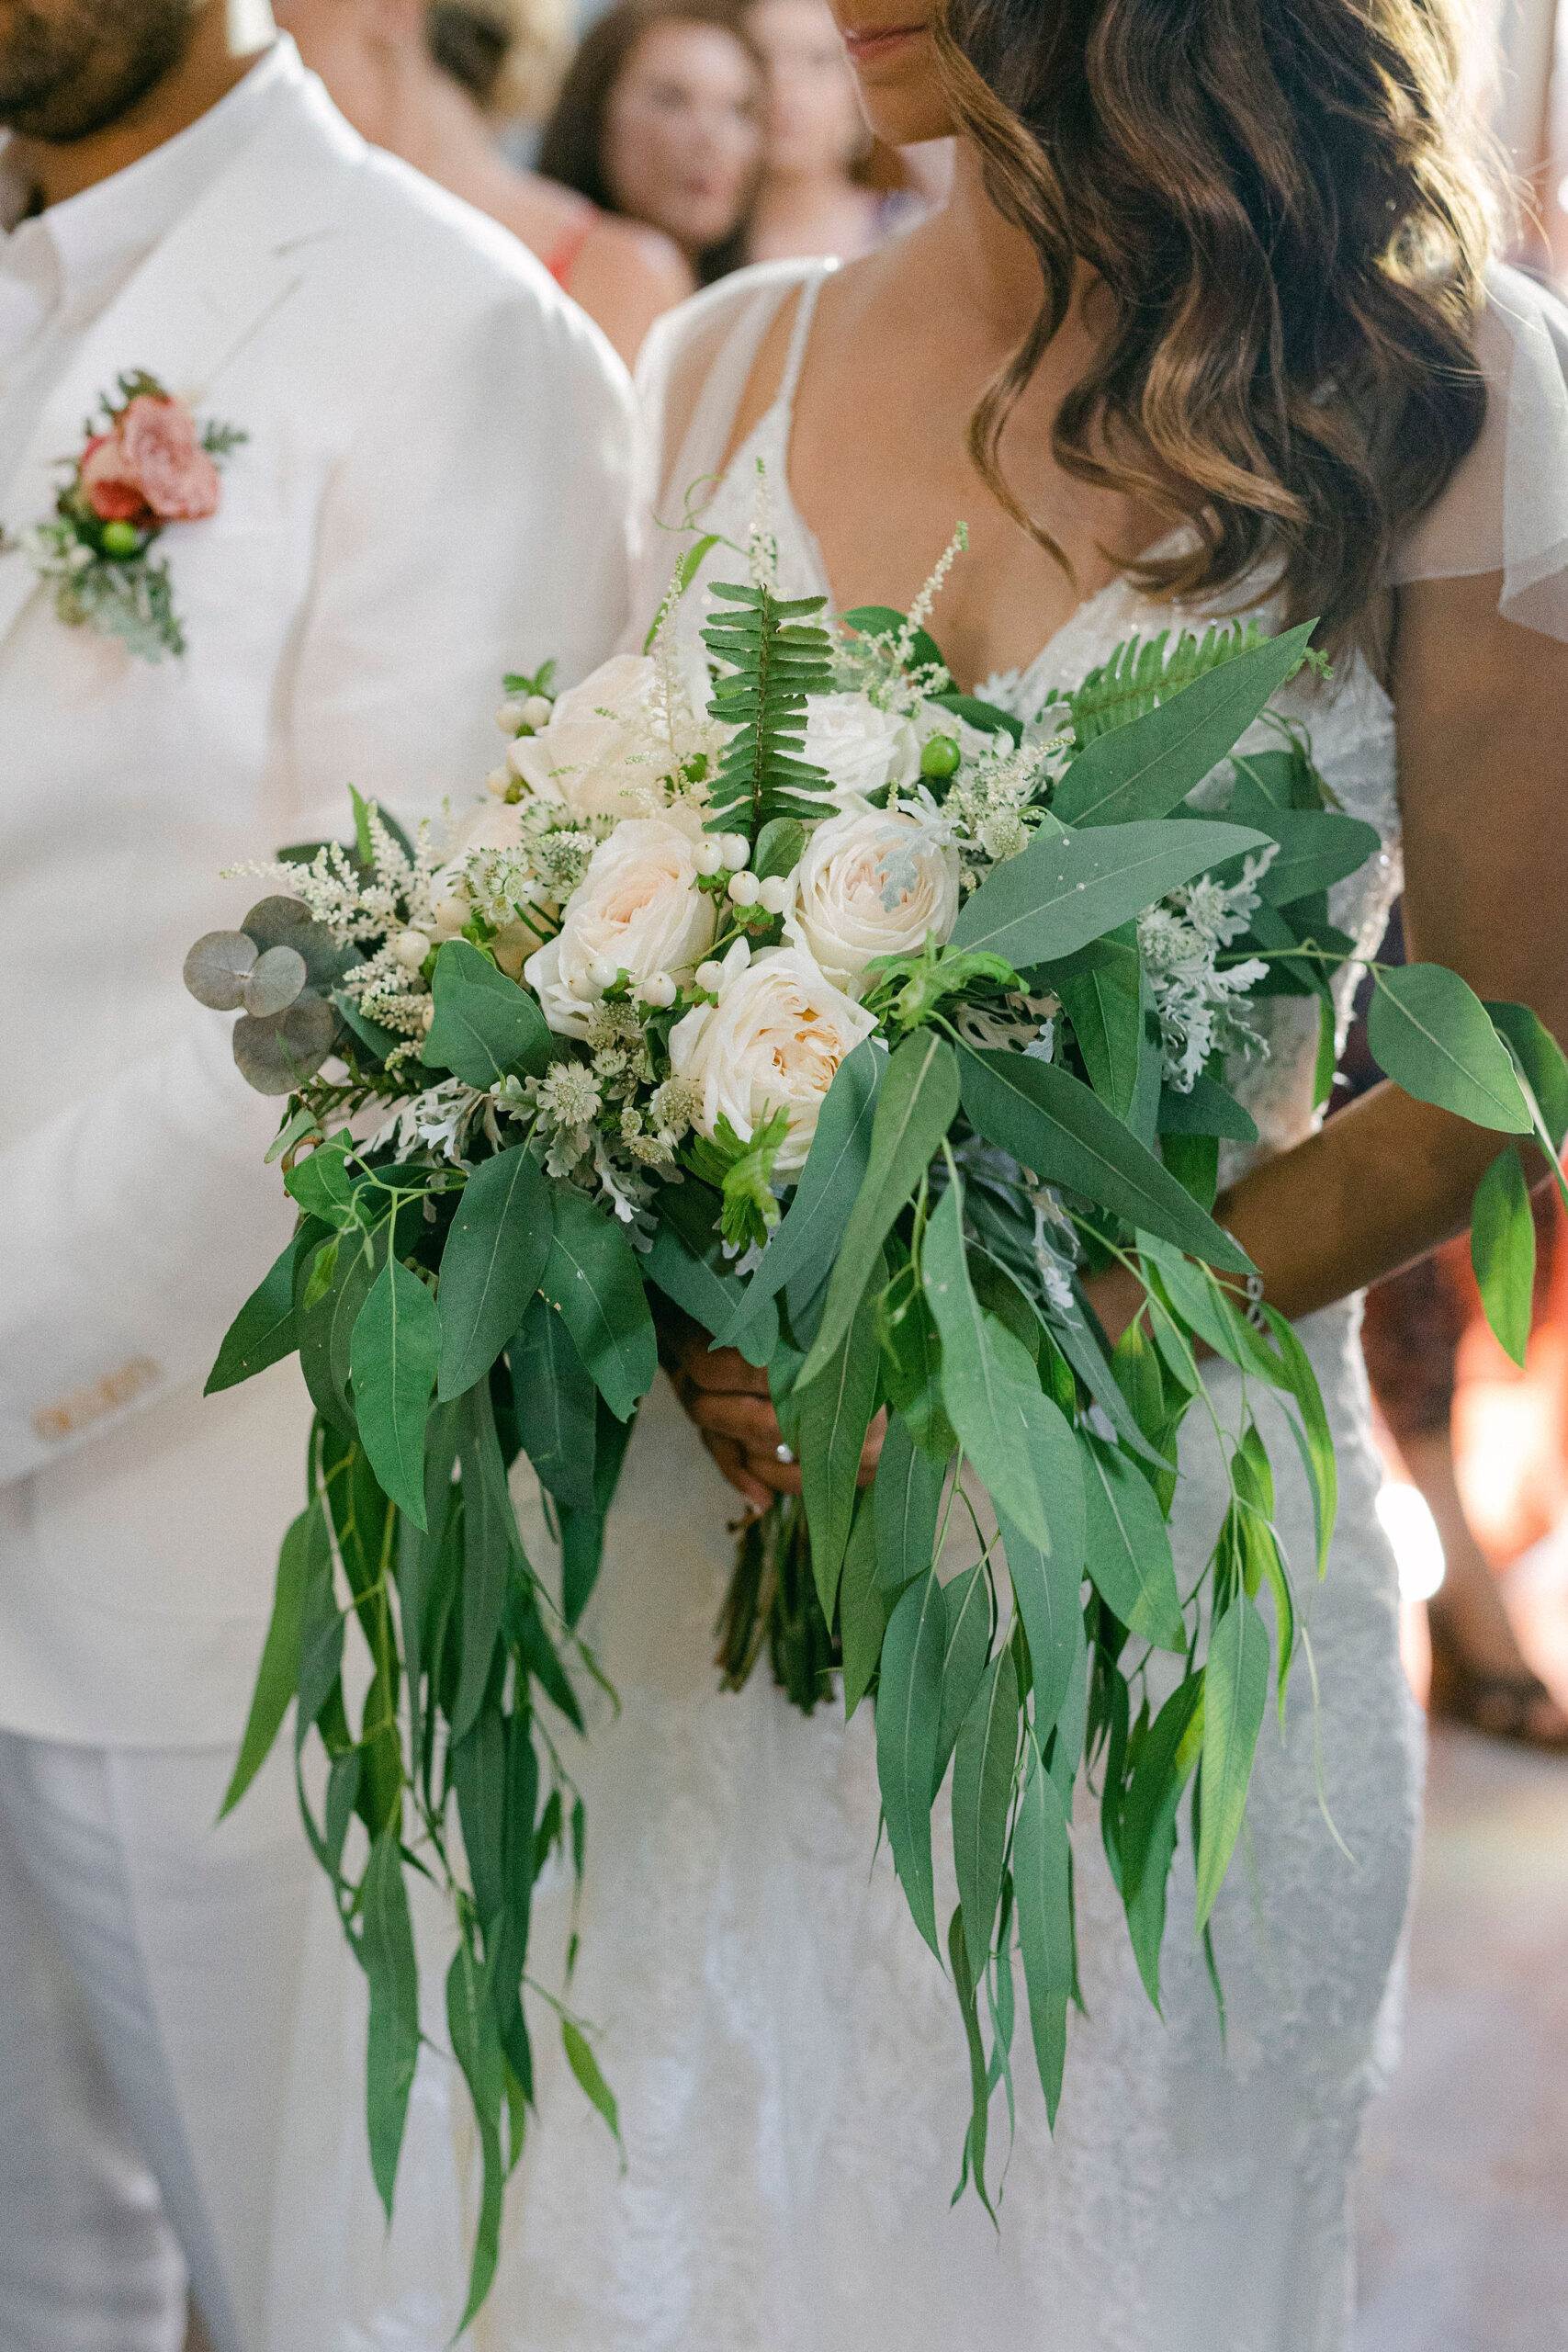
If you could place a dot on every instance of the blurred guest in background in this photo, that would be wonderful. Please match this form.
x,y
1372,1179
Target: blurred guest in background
x,y
660,120
433,82
810,200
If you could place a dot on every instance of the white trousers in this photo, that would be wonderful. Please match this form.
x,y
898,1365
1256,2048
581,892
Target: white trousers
x,y
149,1981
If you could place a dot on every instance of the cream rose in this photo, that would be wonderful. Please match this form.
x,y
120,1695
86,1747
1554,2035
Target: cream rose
x,y
587,760
851,867
861,747
637,909
774,1042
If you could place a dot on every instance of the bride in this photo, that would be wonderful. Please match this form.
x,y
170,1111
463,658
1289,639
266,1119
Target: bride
x,y
1206,325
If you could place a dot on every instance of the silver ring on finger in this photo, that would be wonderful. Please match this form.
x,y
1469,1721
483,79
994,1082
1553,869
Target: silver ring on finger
x,y
784,1453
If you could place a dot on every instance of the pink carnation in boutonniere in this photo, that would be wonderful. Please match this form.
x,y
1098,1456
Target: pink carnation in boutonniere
x,y
151,465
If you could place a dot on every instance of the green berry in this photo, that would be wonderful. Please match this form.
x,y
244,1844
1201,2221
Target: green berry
x,y
120,538
941,756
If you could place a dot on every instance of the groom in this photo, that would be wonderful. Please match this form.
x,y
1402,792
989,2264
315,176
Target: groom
x,y
431,489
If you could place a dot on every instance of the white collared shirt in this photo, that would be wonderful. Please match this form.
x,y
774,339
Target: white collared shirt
x,y
61,268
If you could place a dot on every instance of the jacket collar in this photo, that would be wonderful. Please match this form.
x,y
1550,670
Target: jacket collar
x,y
203,292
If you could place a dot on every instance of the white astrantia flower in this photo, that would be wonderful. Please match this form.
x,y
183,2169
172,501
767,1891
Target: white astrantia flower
x,y
861,747
871,882
636,910
774,1042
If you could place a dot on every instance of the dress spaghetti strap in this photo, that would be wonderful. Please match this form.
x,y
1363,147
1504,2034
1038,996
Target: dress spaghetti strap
x,y
800,335
567,251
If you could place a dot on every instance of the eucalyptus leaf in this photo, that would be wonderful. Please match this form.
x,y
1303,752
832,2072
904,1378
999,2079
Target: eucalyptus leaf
x,y
1542,1058
490,1542
1042,1868
476,2045
392,1357
908,1705
1502,1251
263,1332
906,1498
966,1645
1057,1126
812,1227
274,981
989,1384
306,1557
1129,1546
592,1278
387,1955
916,1105
863,1608
1235,1692
1432,1035
278,1054
555,1401
495,1255
486,1027
1105,1007
217,968
982,1796
836,1412
1148,1828
1067,889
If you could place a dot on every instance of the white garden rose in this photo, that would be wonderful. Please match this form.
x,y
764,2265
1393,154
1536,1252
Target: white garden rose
x,y
851,867
592,759
861,747
774,1042
637,909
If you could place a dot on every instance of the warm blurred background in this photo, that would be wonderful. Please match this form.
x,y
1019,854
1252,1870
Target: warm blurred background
x,y
647,147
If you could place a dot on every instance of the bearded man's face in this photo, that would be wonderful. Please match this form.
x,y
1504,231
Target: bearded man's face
x,y
71,67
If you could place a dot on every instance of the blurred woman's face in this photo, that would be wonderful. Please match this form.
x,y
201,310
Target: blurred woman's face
x,y
815,124
888,43
684,133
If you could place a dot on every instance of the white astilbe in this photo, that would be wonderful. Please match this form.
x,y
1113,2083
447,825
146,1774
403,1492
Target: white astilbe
x,y
396,894
1198,1004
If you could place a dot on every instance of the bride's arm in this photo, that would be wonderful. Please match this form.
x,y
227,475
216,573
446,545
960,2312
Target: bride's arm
x,y
1481,707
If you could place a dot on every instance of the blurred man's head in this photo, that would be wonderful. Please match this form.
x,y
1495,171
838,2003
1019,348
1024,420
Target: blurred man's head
x,y
69,68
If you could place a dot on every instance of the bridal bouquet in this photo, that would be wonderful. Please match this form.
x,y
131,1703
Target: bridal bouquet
x,y
858,1022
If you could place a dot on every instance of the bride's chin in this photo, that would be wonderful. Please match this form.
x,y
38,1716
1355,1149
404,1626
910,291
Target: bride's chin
x,y
900,87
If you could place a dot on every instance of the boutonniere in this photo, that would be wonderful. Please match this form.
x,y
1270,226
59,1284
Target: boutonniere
x,y
150,464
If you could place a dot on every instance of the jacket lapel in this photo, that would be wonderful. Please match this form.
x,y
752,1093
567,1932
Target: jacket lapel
x,y
211,286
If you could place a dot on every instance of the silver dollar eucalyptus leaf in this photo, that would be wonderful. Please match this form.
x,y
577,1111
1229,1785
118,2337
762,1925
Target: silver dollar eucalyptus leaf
x,y
278,1052
287,922
275,981
217,968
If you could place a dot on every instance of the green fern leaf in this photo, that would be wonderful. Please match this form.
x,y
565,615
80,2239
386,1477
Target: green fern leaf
x,y
771,653
1140,674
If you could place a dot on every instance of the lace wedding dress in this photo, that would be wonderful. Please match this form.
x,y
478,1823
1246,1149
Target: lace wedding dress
x,y
787,2057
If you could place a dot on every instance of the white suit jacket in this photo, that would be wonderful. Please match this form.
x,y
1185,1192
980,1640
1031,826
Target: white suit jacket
x,y
433,490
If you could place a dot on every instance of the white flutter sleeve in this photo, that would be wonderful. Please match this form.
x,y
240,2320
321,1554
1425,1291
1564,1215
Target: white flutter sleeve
x,y
1506,507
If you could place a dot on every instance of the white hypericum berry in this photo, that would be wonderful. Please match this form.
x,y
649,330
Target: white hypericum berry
x,y
499,782
411,947
745,889
452,913
536,711
428,1017
658,990
512,715
603,973
736,850
774,894
709,975
708,856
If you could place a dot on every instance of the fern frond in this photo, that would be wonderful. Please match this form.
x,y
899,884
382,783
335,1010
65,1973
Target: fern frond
x,y
772,654
1140,674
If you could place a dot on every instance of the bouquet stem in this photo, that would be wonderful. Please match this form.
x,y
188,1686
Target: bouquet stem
x,y
772,1599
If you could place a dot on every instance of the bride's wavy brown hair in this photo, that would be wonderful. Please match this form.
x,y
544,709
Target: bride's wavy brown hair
x,y
1289,238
